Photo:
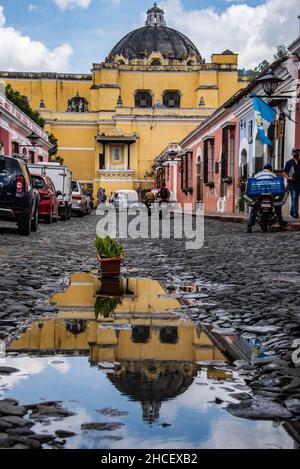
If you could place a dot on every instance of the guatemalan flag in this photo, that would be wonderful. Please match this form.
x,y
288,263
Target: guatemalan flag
x,y
264,116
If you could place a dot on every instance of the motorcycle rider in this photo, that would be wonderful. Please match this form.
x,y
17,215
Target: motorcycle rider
x,y
163,194
267,173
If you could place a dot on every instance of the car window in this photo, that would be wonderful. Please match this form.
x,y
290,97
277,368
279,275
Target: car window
x,y
75,187
8,165
38,182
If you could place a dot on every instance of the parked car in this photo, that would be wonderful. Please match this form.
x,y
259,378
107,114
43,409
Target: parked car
x,y
79,200
48,208
19,200
61,177
124,199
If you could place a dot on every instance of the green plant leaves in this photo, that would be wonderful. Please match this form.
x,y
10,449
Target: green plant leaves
x,y
106,305
108,247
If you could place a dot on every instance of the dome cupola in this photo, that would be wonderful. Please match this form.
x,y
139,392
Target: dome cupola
x,y
155,16
155,38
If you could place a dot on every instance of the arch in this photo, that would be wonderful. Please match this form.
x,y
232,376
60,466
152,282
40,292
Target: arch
x,y
155,62
77,104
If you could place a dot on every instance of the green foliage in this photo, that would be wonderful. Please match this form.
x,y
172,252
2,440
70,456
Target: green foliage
x,y
282,52
54,142
22,103
106,305
264,65
108,247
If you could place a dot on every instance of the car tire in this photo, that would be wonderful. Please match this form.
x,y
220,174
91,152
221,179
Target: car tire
x,y
24,226
49,218
35,221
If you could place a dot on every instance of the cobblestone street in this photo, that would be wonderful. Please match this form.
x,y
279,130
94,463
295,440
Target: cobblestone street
x,y
251,285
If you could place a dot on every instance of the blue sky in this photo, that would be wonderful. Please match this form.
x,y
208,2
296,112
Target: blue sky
x,y
76,33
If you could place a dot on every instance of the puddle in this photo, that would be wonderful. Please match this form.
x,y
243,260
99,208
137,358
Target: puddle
x,y
134,371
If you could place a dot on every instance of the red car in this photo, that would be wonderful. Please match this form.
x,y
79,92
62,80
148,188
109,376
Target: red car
x,y
48,208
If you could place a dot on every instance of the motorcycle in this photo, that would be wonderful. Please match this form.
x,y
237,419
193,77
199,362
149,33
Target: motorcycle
x,y
266,205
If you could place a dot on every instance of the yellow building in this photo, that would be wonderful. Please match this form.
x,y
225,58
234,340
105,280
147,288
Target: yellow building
x,y
153,88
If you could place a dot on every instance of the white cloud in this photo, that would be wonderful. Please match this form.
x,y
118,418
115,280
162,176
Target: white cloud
x,y
33,8
252,31
68,4
19,52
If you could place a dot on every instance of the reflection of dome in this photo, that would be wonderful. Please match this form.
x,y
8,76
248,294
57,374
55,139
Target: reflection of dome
x,y
151,383
155,37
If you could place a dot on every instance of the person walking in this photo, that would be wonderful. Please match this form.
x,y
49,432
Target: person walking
x,y
292,174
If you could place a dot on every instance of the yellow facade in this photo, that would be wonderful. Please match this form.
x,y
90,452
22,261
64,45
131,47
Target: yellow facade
x,y
143,303
112,119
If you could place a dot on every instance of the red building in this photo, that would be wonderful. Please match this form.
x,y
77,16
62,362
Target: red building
x,y
15,127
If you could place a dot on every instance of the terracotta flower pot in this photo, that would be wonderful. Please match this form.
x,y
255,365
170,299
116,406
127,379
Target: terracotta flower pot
x,y
110,267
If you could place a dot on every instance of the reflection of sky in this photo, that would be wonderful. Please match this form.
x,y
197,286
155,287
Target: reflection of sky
x,y
195,421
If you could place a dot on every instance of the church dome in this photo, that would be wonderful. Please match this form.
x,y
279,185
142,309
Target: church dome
x,y
155,36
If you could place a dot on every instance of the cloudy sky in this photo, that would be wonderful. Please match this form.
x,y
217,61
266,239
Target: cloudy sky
x,y
70,35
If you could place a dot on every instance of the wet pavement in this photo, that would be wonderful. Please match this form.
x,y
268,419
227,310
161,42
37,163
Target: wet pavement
x,y
201,358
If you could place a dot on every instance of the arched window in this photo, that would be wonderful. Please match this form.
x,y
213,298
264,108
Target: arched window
x,y
143,99
171,98
156,62
77,104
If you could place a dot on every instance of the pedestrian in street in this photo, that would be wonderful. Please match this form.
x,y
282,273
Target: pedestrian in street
x,y
292,174
99,195
267,173
103,197
163,194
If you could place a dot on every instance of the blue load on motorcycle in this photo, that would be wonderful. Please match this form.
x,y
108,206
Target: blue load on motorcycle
x,y
273,186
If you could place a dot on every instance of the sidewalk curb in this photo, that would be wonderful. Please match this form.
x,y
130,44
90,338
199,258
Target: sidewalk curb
x,y
241,219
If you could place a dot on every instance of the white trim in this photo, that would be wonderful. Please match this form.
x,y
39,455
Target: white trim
x,y
75,149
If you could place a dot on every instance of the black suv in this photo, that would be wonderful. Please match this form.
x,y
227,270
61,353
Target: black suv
x,y
19,201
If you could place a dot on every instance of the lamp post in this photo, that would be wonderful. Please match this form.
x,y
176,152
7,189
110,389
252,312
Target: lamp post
x,y
270,82
33,138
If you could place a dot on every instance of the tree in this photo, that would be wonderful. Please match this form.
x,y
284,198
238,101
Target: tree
x,y
282,52
22,103
264,65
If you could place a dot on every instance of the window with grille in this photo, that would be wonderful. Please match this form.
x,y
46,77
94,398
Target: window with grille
x,y
209,160
187,172
143,99
171,99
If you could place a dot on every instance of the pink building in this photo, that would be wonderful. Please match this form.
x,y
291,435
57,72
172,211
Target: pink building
x,y
204,166
15,127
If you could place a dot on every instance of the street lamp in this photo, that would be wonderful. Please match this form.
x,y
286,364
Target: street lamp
x,y
269,82
33,138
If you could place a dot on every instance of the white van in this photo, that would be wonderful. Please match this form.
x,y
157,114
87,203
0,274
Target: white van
x,y
124,199
61,177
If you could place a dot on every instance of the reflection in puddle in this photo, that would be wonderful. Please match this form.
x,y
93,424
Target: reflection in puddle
x,y
135,373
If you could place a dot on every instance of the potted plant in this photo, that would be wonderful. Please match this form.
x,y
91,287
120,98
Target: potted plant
x,y
105,305
110,255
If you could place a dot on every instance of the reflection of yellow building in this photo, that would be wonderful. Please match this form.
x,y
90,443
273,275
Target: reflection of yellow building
x,y
153,354
137,330
152,89
139,296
